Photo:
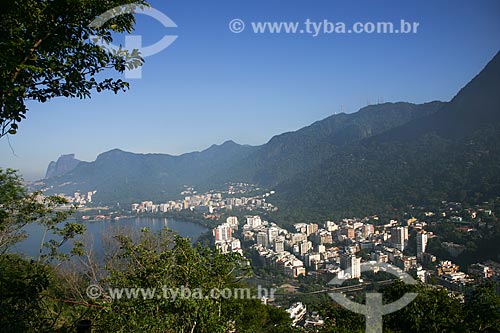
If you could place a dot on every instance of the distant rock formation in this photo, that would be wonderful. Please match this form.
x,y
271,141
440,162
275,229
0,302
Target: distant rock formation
x,y
64,164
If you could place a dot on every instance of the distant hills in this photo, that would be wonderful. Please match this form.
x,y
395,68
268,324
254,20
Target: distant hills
x,y
380,158
120,176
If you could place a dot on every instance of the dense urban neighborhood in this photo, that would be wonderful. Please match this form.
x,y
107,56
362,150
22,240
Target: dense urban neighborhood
x,y
339,248
428,244
236,197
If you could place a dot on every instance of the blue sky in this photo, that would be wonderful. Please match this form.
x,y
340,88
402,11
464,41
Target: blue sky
x,y
212,85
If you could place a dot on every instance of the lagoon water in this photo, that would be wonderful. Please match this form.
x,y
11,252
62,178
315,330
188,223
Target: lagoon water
x,y
98,231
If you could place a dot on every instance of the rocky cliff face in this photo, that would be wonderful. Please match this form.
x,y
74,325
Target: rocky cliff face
x,y
64,164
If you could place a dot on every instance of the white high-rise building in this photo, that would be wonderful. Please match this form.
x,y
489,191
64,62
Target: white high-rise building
x,y
254,221
422,238
272,233
351,265
399,237
223,233
233,222
279,244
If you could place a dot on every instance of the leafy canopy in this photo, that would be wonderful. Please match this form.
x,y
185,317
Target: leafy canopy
x,y
45,52
19,208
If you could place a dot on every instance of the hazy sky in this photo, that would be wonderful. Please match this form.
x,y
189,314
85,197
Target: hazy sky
x,y
212,85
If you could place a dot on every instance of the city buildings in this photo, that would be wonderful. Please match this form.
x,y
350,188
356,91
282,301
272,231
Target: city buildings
x,y
279,244
207,203
399,237
297,311
351,266
223,233
312,249
224,240
262,239
233,222
421,242
481,271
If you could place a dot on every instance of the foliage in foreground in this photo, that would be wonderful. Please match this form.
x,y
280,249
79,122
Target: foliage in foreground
x,y
434,310
37,297
49,294
46,52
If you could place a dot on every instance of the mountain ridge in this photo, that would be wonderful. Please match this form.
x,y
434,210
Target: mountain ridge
x,y
379,158
218,164
451,154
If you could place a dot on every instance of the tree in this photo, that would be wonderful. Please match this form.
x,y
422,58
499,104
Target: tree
x,y
482,309
341,320
15,210
22,284
433,310
28,287
19,208
46,52
182,277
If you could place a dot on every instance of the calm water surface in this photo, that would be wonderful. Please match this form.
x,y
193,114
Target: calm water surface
x,y
97,232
